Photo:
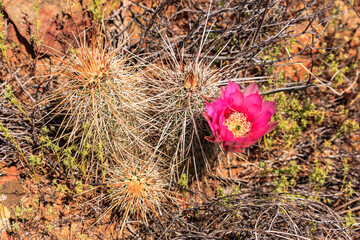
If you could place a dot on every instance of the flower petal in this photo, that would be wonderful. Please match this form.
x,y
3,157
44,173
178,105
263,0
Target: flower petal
x,y
260,122
240,141
251,89
216,107
213,139
222,95
237,150
269,106
264,130
210,121
231,88
225,147
210,110
229,144
225,134
252,106
236,101
272,126
207,116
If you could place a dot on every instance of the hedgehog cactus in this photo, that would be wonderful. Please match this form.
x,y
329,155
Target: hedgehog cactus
x,y
98,92
179,89
137,188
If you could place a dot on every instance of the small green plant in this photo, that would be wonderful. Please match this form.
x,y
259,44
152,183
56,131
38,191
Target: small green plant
x,y
271,55
79,188
36,200
236,190
346,186
60,187
15,226
9,94
339,73
183,181
49,228
216,37
350,190
263,166
67,207
348,126
8,136
220,192
225,199
28,211
313,228
68,158
36,161
320,174
293,116
101,156
286,178
47,143
35,38
50,210
83,237
97,10
3,47
349,219
346,170
18,212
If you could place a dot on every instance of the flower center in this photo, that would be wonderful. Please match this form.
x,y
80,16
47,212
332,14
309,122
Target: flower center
x,y
237,124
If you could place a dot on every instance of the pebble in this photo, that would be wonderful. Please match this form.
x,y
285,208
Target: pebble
x,y
3,197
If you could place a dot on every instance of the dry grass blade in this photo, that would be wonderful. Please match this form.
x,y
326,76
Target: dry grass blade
x,y
250,217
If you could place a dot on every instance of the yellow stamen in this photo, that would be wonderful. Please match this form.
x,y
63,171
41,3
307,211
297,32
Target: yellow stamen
x,y
237,124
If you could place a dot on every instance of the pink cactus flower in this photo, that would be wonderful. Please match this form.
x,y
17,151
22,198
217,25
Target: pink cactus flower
x,y
237,119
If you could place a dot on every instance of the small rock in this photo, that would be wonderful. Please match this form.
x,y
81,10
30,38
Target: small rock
x,y
3,198
57,22
4,224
